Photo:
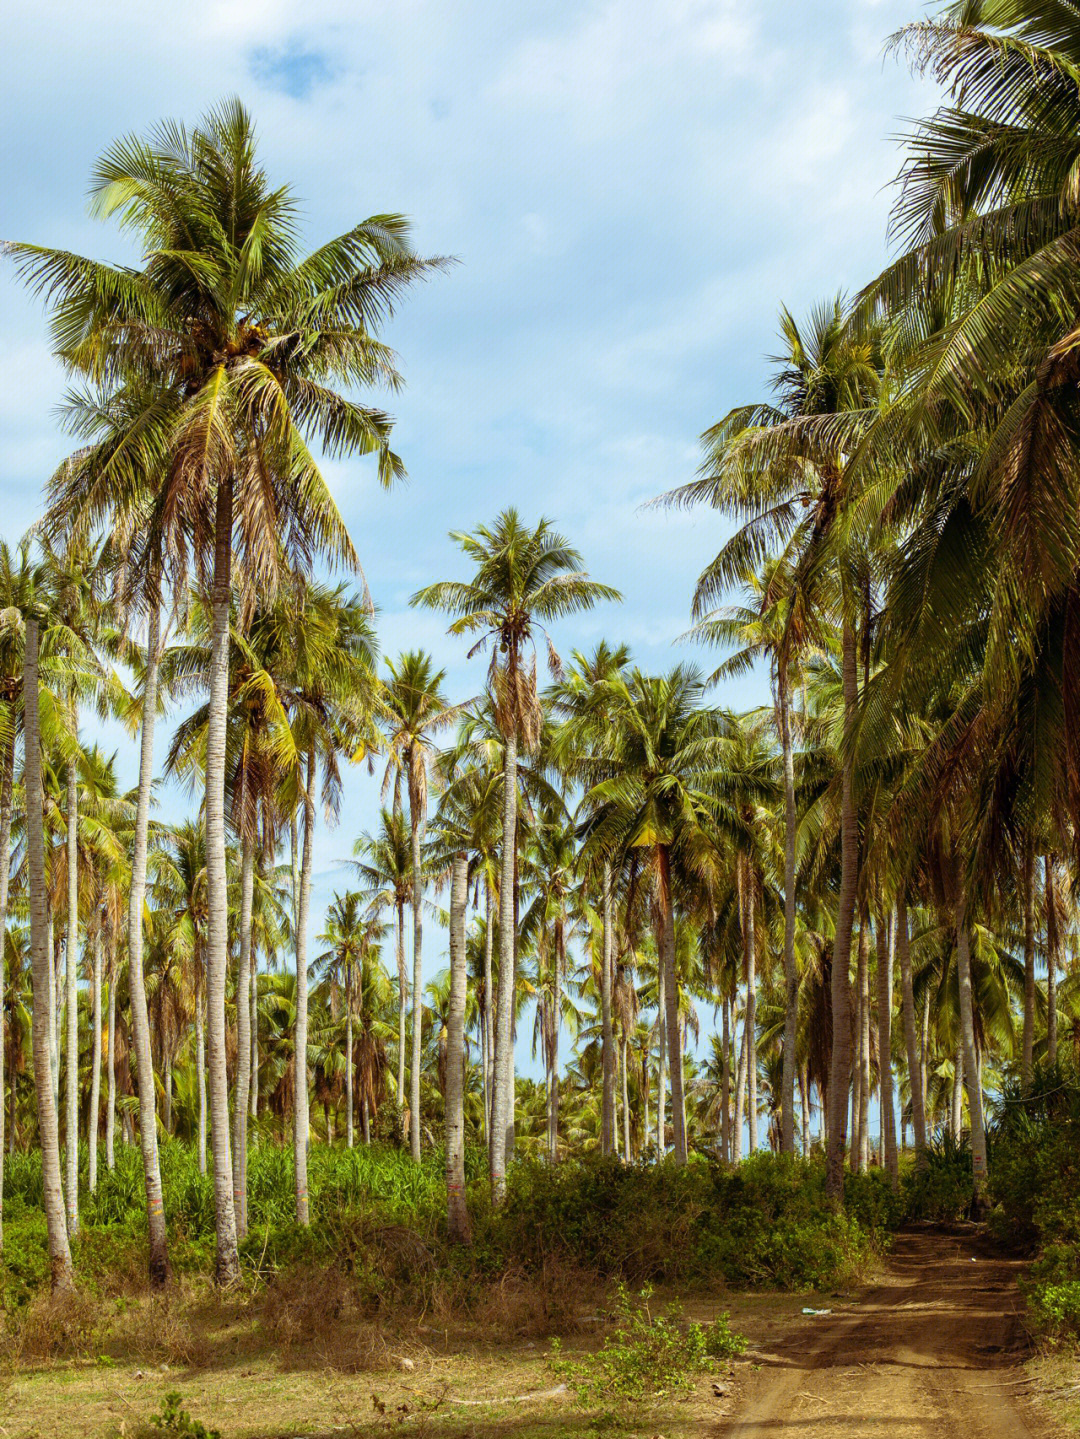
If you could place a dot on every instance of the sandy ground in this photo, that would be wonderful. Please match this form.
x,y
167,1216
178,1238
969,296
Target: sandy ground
x,y
932,1350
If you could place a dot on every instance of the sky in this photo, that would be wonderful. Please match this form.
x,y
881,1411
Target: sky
x,y
630,190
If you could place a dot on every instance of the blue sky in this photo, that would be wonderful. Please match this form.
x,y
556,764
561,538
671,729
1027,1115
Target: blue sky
x,y
631,189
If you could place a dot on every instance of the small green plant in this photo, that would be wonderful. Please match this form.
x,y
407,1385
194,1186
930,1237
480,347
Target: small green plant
x,y
647,1355
176,1421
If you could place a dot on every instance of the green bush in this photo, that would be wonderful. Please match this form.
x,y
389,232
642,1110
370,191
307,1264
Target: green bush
x,y
647,1355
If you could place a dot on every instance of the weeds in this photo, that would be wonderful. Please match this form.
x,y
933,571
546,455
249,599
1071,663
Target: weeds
x,y
647,1355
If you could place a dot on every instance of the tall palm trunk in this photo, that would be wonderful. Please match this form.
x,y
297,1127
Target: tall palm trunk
x,y
503,1099
71,976
488,1015
54,1038
791,976
1027,1064
94,1126
840,1061
416,826
751,1009
556,1024
607,1040
671,1004
140,1022
661,1057
200,1071
110,1088
243,1037
457,1214
300,1078
625,1100
253,1082
725,1084
48,1136
885,1073
907,992
348,1069
7,790
227,1263
644,1080
403,990
740,1098
956,1112
1051,961
971,1062
864,1045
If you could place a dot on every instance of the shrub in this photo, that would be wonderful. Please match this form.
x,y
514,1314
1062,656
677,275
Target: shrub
x,y
647,1355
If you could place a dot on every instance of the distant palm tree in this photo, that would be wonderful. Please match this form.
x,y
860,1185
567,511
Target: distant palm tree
x,y
525,579
414,710
352,936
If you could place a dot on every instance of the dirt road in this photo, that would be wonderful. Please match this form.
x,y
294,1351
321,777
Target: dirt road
x,y
931,1351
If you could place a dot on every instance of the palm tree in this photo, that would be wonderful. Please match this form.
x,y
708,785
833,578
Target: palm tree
x,y
320,644
525,579
352,937
578,702
414,710
457,1211
663,744
235,343
48,1137
785,466
384,865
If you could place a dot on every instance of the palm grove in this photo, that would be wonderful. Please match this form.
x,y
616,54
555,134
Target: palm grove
x,y
868,882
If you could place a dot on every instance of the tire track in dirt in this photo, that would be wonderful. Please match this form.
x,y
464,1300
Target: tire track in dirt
x,y
931,1351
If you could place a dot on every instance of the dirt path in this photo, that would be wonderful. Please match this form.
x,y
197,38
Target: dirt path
x,y
932,1351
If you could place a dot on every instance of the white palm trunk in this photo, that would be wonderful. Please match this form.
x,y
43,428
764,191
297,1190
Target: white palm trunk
x,y
41,961
661,1061
416,826
94,1132
7,790
725,1083
607,1113
503,1099
243,1038
1051,962
885,1073
840,1060
1027,1062
200,1073
458,1224
253,1096
71,977
751,1011
403,1001
791,975
110,1067
140,1021
348,1070
300,1076
671,1009
740,1098
488,1023
625,1103
907,1000
864,1048
227,1263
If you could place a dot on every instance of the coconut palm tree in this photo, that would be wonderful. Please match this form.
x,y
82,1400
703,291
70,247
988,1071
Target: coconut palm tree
x,y
414,710
457,1210
525,579
663,744
783,470
236,343
353,935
